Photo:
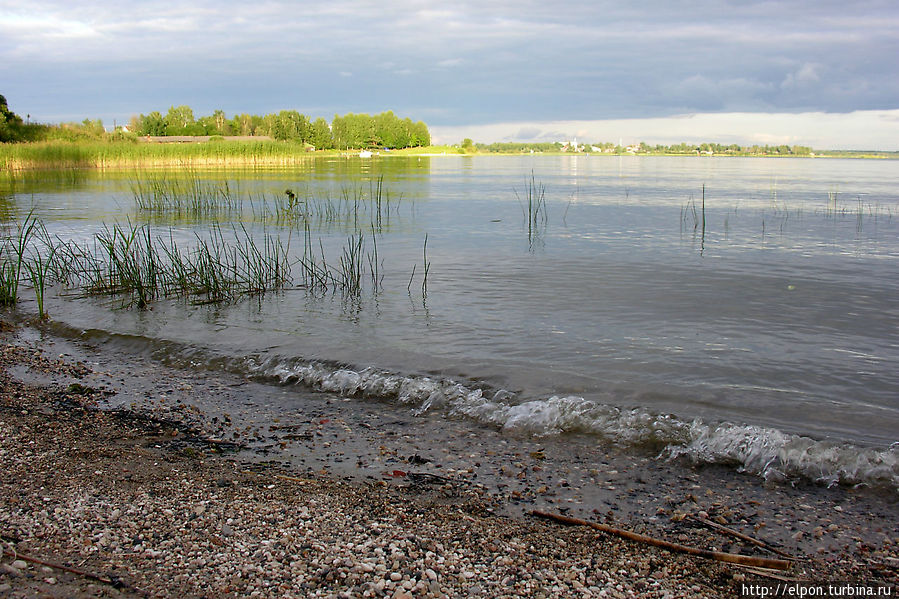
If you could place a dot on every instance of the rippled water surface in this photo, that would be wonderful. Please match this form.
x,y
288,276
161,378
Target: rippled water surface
x,y
761,294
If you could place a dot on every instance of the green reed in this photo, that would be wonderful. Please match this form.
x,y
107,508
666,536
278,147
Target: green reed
x,y
348,275
12,258
131,260
354,209
533,205
186,198
133,153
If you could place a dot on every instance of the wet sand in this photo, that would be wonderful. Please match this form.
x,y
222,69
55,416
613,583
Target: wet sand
x,y
91,430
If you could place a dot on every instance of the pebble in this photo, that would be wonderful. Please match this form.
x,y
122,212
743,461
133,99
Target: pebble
x,y
324,537
10,570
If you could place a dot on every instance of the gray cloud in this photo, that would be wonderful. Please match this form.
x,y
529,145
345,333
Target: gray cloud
x,y
454,63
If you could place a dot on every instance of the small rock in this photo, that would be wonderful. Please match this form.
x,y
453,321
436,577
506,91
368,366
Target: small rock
x,y
20,564
50,580
5,587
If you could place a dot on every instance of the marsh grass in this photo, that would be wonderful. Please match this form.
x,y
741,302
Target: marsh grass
x,y
355,265
13,258
533,209
354,209
40,269
134,262
689,215
61,154
182,198
143,263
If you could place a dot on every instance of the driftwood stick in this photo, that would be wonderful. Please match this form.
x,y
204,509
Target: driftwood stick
x,y
34,560
747,560
739,535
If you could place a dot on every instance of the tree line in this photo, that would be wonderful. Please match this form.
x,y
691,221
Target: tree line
x,y
639,148
384,130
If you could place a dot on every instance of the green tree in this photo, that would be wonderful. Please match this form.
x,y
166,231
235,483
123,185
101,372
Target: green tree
x,y
244,124
10,123
320,135
420,135
151,124
180,121
287,125
221,122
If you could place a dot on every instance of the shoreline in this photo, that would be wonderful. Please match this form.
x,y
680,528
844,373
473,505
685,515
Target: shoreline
x,y
32,156
147,493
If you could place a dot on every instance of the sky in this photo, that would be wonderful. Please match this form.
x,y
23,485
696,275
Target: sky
x,y
821,73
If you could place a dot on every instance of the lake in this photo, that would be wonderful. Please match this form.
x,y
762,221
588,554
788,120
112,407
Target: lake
x,y
734,310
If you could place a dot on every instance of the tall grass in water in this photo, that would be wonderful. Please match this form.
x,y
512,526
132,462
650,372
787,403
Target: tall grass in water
x,y
427,268
689,214
354,209
186,198
60,154
13,259
39,270
533,206
349,274
132,261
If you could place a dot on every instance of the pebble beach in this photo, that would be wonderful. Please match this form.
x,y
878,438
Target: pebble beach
x,y
127,502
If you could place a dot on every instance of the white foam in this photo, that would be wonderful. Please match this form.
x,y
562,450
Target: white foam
x,y
766,452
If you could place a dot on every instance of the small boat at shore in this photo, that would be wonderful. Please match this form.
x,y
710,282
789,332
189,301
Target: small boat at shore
x,y
364,154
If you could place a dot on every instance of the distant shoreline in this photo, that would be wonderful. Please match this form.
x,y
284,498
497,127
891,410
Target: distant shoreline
x,y
264,152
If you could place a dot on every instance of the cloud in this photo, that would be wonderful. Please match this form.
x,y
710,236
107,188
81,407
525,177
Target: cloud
x,y
807,74
876,130
464,62
706,93
526,133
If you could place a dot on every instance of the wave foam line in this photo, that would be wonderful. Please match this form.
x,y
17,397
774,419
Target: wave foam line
x,y
766,452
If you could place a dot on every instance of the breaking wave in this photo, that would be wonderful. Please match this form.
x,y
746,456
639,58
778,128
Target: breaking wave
x,y
766,452
763,451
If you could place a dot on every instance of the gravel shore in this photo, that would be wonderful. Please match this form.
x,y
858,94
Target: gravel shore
x,y
137,505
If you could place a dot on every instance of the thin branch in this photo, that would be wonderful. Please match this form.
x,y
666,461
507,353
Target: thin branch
x,y
775,564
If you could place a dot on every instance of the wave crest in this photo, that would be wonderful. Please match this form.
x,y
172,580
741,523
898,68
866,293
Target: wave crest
x,y
766,452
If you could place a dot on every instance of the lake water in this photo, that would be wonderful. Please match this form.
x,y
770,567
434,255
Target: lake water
x,y
735,310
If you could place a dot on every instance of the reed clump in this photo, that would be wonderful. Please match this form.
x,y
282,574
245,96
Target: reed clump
x,y
183,198
355,265
142,264
134,262
14,257
133,153
533,208
192,198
